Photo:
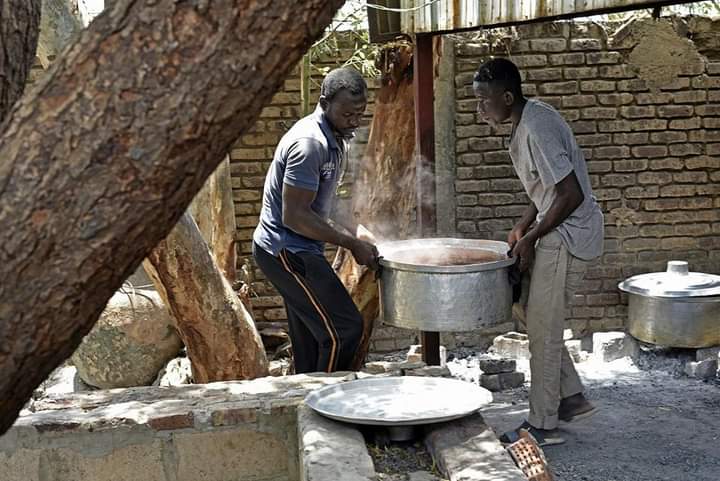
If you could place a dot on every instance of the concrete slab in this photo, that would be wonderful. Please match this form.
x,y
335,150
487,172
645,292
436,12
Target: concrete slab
x,y
468,450
331,450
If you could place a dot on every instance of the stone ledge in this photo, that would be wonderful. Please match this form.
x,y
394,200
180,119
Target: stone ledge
x,y
330,450
468,450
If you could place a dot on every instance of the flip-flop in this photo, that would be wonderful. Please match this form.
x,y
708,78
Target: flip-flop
x,y
543,437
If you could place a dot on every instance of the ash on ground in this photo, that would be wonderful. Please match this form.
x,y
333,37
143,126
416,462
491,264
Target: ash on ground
x,y
403,462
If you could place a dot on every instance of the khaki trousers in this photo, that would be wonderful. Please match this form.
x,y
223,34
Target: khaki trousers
x,y
547,292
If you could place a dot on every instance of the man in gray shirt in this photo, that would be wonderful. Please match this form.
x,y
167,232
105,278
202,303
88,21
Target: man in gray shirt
x,y
288,243
560,231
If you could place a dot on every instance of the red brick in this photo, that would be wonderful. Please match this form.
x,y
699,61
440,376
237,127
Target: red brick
x,y
685,124
707,110
466,199
511,185
583,127
603,57
474,212
495,199
703,162
510,211
678,84
631,139
650,151
614,126
653,98
567,59
649,124
544,74
682,150
672,111
630,165
693,230
605,299
599,166
597,86
523,61
616,99
246,195
593,140
494,171
621,71
607,194
499,157
645,192
679,243
678,191
585,44
668,137
473,130
578,101
691,177
666,164
599,113
471,185
177,421
470,159
233,416
711,123
486,143
576,73
705,136
464,173
689,97
618,180
634,85
611,152
637,112
705,82
555,88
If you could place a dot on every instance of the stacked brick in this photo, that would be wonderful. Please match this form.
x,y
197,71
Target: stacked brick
x,y
653,154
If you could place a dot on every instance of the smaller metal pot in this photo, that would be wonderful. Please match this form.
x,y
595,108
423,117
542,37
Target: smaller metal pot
x,y
676,308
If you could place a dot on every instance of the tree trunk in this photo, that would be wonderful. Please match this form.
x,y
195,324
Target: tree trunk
x,y
19,30
218,332
101,158
384,194
213,209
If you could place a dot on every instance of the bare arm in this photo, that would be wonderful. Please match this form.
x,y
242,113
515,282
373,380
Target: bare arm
x,y
299,217
569,197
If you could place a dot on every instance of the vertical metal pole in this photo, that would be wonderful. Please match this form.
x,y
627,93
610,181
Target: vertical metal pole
x,y
424,134
425,163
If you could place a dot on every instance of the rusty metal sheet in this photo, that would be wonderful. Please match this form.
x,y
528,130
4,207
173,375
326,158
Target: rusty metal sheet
x,y
430,16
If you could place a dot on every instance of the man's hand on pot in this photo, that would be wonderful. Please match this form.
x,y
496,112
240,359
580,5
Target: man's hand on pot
x,y
365,254
524,249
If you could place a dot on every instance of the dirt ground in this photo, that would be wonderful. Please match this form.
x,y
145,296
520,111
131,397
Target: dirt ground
x,y
652,426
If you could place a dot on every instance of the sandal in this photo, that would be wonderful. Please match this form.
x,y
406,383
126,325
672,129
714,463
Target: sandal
x,y
575,408
543,437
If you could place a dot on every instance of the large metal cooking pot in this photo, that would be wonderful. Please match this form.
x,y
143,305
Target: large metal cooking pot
x,y
676,308
445,284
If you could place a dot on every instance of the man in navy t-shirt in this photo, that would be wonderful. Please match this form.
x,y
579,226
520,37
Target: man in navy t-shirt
x,y
288,243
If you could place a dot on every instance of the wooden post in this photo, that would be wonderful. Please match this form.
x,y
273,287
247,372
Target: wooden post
x,y
425,155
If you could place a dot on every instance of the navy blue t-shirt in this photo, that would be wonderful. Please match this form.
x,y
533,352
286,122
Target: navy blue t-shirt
x,y
308,157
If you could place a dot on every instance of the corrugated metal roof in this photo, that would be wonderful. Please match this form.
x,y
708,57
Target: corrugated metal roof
x,y
426,16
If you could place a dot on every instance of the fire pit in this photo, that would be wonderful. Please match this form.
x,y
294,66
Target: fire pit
x,y
399,403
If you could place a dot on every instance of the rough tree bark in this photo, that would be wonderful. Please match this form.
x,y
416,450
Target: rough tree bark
x,y
218,332
100,159
19,31
213,210
384,194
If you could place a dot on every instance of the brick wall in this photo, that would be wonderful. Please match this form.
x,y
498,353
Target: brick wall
x,y
251,157
651,144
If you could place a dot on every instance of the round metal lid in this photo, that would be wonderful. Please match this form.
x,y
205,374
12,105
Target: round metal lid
x,y
398,401
677,281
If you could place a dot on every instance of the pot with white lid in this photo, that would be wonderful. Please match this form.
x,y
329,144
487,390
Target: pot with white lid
x,y
675,308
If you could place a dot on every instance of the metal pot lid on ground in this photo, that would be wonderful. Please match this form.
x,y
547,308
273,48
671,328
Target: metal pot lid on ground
x,y
676,281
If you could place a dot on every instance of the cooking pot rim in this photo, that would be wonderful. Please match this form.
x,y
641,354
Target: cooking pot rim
x,y
498,247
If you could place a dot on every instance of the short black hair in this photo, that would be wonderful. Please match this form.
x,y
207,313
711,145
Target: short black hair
x,y
501,72
343,79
